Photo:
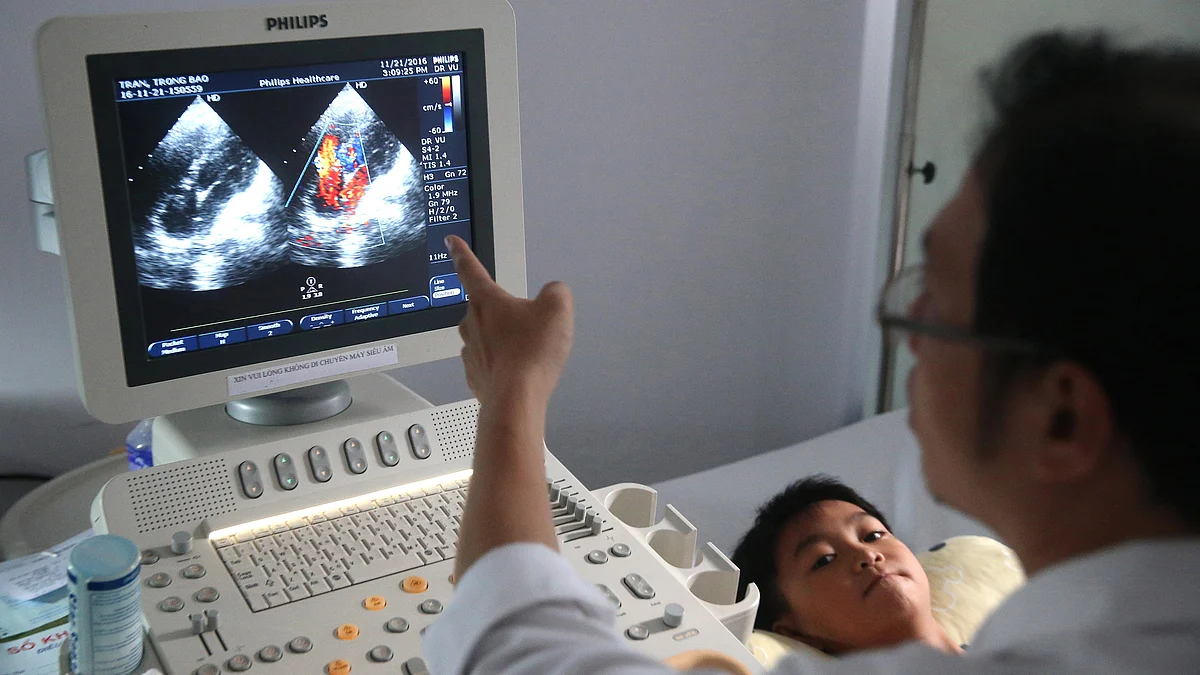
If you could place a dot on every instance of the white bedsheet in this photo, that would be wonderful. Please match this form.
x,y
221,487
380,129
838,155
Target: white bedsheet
x,y
878,457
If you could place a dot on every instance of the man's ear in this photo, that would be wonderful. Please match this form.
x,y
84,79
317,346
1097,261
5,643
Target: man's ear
x,y
1078,423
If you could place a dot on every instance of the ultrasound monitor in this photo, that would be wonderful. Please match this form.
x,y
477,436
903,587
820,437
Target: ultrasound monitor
x,y
255,200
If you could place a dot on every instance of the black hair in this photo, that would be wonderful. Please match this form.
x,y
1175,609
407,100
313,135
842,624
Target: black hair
x,y
755,553
1091,177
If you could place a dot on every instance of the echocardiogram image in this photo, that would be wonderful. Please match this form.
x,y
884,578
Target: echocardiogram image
x,y
217,218
210,213
358,201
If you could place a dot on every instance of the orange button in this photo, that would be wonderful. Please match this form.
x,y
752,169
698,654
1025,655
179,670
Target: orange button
x,y
453,580
347,631
414,585
338,667
375,602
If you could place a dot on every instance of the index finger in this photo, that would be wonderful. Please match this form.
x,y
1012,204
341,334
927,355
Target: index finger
x,y
472,274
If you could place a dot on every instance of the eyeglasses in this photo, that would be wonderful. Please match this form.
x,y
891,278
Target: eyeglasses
x,y
907,308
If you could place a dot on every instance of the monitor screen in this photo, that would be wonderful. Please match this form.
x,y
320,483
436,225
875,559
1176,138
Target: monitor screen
x,y
273,200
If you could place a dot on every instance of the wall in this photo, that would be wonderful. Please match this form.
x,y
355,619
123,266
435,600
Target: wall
x,y
687,170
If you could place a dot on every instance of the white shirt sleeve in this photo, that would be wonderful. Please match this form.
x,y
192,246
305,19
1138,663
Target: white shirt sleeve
x,y
522,609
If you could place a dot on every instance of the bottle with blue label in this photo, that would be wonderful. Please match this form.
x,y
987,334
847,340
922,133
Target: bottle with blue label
x,y
105,605
137,446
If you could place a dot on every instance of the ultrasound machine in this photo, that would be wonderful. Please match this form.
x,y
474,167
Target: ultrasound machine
x,y
251,206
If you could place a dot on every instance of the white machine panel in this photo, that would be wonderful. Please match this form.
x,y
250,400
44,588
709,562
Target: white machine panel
x,y
264,559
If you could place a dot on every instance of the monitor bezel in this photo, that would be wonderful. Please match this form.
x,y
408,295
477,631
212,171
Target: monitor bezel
x,y
63,46
105,69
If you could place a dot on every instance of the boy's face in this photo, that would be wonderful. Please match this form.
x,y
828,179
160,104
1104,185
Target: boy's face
x,y
848,582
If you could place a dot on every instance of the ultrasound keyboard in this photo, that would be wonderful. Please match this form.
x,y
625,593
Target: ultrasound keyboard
x,y
308,555
339,561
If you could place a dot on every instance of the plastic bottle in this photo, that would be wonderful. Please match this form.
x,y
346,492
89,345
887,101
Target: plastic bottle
x,y
104,600
137,446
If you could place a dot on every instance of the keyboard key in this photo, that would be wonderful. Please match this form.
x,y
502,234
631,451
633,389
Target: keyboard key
x,y
405,562
361,573
318,586
257,602
297,591
276,598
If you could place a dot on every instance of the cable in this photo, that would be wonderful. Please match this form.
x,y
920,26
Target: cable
x,y
25,476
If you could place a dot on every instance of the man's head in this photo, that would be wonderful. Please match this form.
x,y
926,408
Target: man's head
x,y
1075,235
829,571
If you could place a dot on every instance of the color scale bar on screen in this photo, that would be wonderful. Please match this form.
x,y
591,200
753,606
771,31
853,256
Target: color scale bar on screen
x,y
456,95
449,100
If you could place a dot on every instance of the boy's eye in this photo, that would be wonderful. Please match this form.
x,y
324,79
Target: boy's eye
x,y
874,536
823,561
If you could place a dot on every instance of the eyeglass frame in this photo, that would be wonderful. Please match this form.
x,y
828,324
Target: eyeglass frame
x,y
894,322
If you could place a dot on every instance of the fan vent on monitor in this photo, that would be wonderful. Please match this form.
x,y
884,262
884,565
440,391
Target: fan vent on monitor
x,y
454,429
174,496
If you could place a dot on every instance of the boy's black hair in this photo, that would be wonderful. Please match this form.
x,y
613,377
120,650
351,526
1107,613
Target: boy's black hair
x,y
1091,177
755,554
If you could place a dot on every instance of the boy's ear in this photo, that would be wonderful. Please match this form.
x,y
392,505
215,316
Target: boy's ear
x,y
787,626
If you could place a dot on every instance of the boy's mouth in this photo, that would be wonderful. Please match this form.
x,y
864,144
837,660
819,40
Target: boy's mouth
x,y
879,578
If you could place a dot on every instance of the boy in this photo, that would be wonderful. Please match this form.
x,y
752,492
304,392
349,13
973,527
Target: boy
x,y
832,575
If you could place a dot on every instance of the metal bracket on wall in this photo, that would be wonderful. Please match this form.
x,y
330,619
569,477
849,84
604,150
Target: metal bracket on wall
x,y
41,196
928,171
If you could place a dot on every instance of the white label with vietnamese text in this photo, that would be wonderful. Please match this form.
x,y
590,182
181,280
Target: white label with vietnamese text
x,y
312,369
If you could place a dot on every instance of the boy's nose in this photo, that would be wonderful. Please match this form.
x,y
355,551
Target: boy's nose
x,y
870,559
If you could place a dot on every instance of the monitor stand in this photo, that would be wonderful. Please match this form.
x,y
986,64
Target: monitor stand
x,y
295,406
290,419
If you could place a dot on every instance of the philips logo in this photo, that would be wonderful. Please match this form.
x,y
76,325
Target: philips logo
x,y
297,22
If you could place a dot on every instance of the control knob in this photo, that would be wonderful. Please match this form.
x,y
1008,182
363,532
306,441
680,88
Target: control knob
x,y
181,543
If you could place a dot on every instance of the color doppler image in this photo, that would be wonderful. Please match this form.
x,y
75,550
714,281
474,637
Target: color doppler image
x,y
223,197
359,200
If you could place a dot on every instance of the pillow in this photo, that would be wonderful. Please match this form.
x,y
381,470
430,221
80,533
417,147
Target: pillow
x,y
968,578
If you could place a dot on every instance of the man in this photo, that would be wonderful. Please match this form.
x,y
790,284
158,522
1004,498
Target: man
x,y
832,575
1054,326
